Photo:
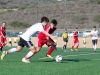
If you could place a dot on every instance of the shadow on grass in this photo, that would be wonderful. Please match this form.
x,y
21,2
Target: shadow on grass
x,y
75,60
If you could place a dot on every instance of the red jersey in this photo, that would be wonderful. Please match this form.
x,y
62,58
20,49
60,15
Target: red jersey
x,y
47,29
75,33
3,30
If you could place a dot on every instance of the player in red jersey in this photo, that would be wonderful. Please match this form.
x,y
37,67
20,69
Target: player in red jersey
x,y
75,40
2,36
43,39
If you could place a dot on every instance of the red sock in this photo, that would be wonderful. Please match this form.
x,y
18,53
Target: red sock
x,y
72,47
1,48
77,46
50,50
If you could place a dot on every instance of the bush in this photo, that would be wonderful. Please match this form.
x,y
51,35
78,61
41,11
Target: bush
x,y
97,19
80,18
97,1
2,12
24,7
19,24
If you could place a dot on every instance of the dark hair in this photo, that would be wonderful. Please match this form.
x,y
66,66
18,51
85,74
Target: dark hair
x,y
94,27
76,28
54,22
44,19
65,29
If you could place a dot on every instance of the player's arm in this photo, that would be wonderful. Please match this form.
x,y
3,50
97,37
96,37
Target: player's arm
x,y
46,33
2,33
75,34
63,35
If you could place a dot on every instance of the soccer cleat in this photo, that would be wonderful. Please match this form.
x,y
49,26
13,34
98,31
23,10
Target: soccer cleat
x,y
49,56
76,49
64,50
71,49
26,60
3,55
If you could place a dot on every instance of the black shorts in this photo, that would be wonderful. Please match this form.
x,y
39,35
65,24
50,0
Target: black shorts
x,y
23,43
65,39
15,42
10,42
94,41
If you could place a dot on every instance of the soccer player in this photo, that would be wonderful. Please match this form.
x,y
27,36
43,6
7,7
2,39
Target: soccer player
x,y
10,41
25,40
84,41
2,35
44,39
15,41
65,39
94,34
75,40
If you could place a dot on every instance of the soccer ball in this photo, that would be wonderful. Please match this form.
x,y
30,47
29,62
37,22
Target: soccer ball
x,y
58,58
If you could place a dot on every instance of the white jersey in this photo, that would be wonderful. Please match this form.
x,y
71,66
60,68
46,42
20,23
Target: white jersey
x,y
33,29
95,34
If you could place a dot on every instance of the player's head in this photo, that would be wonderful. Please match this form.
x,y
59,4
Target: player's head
x,y
65,30
53,23
3,24
44,20
94,28
76,29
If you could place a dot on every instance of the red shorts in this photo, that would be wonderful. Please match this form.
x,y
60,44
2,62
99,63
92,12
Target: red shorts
x,y
75,40
41,42
2,41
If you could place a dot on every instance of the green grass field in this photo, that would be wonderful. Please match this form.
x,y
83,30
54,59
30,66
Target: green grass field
x,y
83,62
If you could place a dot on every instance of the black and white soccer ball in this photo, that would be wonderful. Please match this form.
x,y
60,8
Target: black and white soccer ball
x,y
58,58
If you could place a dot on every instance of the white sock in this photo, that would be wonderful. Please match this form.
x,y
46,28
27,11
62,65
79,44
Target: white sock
x,y
29,55
95,47
11,50
84,46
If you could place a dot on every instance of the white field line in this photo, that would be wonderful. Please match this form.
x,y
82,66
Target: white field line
x,y
73,55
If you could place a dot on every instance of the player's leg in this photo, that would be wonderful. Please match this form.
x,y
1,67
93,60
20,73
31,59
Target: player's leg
x,y
77,46
74,42
32,52
64,44
51,49
1,43
40,43
95,45
93,42
12,50
84,44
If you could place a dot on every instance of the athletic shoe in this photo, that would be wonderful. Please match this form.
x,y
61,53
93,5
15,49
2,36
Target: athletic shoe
x,y
3,55
65,50
76,49
49,56
71,49
94,50
26,60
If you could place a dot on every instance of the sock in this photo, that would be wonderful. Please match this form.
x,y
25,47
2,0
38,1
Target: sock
x,y
72,47
84,45
77,46
11,50
95,47
0,49
65,46
50,50
29,55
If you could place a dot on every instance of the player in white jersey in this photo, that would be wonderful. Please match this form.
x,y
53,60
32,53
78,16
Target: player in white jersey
x,y
25,40
95,35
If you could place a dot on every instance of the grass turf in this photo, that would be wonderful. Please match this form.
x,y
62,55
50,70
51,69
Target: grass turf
x,y
83,62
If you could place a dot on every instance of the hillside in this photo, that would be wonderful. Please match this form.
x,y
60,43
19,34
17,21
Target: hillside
x,y
77,13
